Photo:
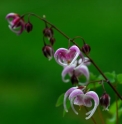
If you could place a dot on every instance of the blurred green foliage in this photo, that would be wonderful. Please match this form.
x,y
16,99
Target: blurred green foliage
x,y
29,84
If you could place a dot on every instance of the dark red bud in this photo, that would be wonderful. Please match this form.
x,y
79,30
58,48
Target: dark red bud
x,y
48,32
74,79
28,27
105,101
52,40
86,48
48,51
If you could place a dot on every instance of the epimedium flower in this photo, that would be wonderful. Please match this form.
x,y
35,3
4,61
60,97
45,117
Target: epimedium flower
x,y
78,97
16,23
75,72
65,57
68,92
74,64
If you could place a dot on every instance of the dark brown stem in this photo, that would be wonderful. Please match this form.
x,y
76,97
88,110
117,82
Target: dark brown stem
x,y
100,115
67,37
79,37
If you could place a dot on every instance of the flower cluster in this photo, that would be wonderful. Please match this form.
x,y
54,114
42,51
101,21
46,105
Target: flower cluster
x,y
74,64
17,23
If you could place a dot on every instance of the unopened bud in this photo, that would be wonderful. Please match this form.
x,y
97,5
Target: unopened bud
x,y
74,79
48,51
105,101
48,32
28,27
86,48
52,40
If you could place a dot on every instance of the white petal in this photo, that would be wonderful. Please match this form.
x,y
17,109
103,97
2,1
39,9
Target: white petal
x,y
57,56
77,53
82,69
86,61
66,95
72,102
76,93
95,97
72,96
67,70
9,16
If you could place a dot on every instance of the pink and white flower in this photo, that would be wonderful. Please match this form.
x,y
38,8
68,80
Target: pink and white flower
x,y
78,97
16,23
76,71
74,63
66,57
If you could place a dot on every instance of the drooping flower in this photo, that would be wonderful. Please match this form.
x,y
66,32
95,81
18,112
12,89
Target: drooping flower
x,y
16,23
78,97
74,64
105,101
76,72
68,92
66,57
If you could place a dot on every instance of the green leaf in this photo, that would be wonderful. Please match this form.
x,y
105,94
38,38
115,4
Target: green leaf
x,y
112,110
110,76
92,76
60,100
68,107
119,78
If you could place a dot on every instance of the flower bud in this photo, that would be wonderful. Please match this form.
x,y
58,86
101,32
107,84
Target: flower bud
x,y
74,79
52,40
48,51
28,27
86,48
105,101
48,32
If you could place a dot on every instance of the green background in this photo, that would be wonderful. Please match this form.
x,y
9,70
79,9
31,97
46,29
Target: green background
x,y
29,83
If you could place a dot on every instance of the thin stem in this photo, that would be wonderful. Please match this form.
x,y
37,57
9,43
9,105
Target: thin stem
x,y
69,43
103,87
67,37
91,117
117,118
80,38
100,115
99,111
95,81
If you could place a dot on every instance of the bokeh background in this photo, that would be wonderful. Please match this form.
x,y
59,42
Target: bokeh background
x,y
29,83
